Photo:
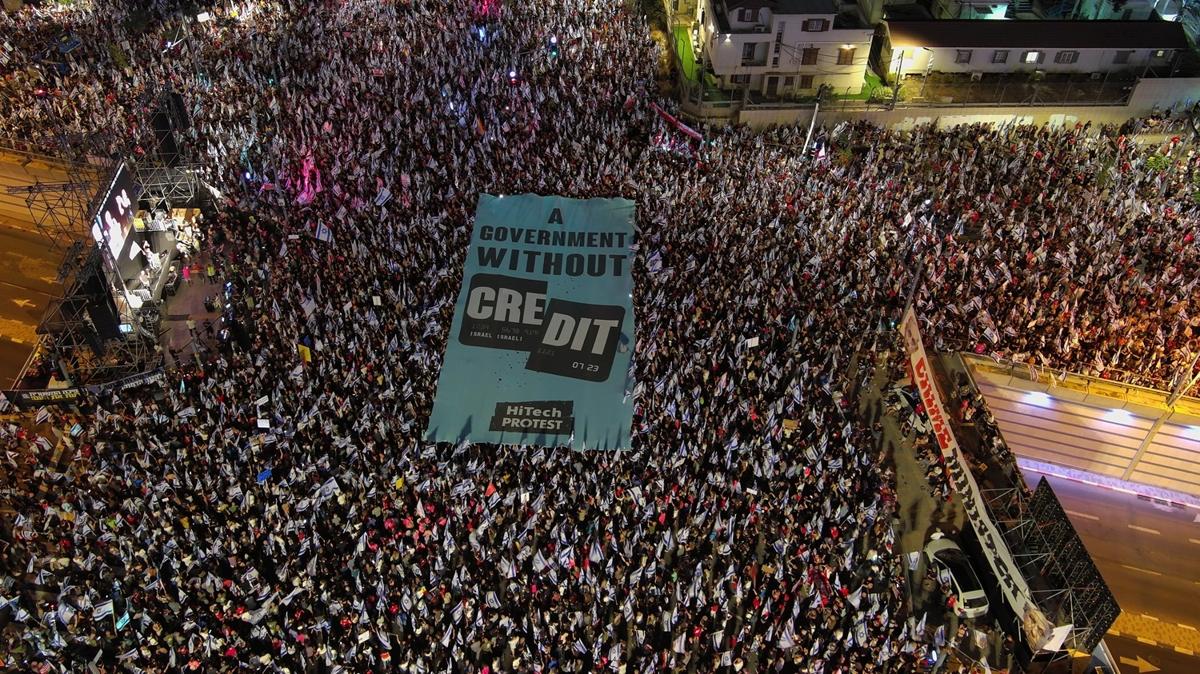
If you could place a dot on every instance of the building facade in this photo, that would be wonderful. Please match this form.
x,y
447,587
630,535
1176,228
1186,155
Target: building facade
x,y
782,48
983,47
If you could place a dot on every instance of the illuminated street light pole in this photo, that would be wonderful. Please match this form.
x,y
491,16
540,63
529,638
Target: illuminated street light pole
x,y
928,70
1184,382
896,83
821,93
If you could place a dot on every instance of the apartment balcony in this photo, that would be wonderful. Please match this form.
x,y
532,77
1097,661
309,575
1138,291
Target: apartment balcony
x,y
755,61
749,30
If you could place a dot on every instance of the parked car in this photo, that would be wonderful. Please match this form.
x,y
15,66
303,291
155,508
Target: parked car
x,y
947,559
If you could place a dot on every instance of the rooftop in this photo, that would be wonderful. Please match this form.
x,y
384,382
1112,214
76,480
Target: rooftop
x,y
1038,34
913,11
786,6
848,18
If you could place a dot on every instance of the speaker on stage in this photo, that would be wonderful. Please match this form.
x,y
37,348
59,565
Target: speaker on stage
x,y
164,134
179,113
100,307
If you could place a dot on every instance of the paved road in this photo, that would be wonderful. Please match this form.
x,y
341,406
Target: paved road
x,y
12,357
1097,437
28,266
15,208
1149,554
1135,657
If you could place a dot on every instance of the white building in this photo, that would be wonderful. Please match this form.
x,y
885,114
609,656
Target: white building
x,y
969,9
782,48
920,47
1095,10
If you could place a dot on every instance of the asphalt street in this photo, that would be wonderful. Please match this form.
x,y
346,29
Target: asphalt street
x,y
1135,657
12,358
20,173
28,265
1149,554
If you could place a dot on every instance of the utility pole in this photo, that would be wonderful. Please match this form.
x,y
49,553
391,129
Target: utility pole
x,y
896,83
1185,380
912,292
812,123
928,70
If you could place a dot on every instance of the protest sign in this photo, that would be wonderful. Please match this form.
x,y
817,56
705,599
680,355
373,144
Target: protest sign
x,y
542,334
29,398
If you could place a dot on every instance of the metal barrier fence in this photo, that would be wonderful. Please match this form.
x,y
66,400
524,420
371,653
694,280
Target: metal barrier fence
x,y
1047,378
942,95
1014,91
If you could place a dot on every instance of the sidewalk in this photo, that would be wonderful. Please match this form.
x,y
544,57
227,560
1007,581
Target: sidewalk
x,y
920,515
920,512
1154,632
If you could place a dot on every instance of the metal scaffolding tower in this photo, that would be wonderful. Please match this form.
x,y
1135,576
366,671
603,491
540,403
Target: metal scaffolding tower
x,y
59,205
1064,580
62,210
165,186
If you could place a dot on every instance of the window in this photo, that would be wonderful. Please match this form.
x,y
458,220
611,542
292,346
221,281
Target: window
x,y
788,81
809,56
754,53
806,82
779,36
747,15
846,56
1160,53
1032,56
815,25
739,79
1066,57
962,55
1000,56
775,61
1122,57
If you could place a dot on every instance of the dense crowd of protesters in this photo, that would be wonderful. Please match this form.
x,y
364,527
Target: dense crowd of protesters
x,y
186,536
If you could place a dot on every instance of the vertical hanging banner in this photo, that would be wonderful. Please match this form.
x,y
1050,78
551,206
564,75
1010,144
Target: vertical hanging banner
x,y
1012,584
542,336
918,361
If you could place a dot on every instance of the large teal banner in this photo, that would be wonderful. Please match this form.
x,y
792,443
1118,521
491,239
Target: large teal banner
x,y
542,336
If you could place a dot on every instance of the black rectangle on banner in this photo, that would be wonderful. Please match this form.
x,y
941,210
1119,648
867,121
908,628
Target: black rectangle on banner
x,y
578,340
552,417
503,312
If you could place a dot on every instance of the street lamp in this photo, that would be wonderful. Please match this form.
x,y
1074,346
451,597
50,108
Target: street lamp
x,y
822,92
928,70
896,83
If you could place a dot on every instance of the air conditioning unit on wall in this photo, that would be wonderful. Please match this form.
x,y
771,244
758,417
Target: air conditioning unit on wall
x,y
976,76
